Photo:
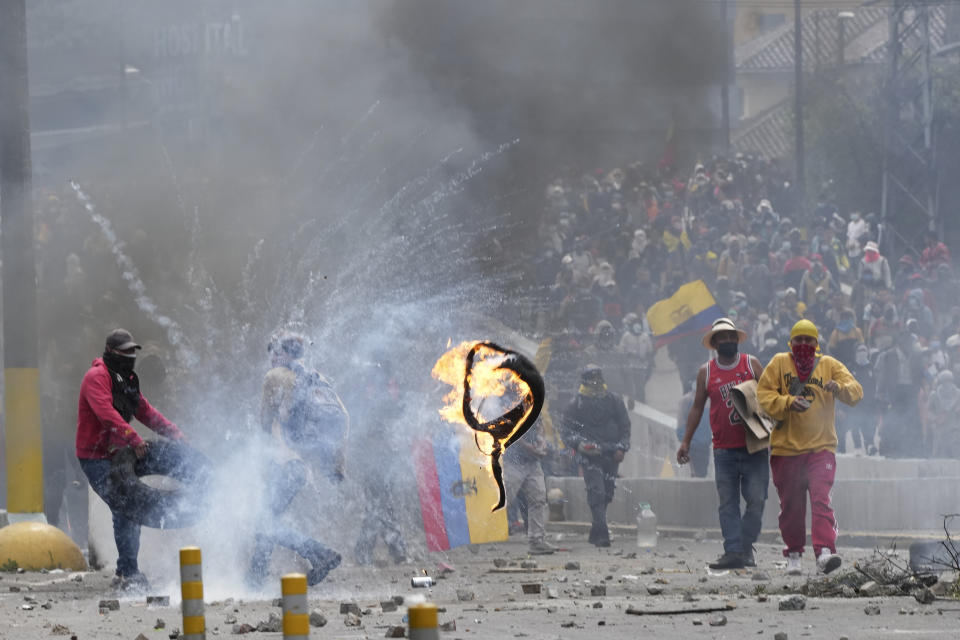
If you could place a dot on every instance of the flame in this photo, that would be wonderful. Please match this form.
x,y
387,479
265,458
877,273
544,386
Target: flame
x,y
489,386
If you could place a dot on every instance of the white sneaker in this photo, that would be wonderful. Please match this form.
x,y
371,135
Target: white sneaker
x,y
828,562
794,566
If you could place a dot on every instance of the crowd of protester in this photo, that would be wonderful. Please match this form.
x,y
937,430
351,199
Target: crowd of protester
x,y
614,242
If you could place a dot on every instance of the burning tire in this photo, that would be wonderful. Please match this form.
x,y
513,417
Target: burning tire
x,y
161,507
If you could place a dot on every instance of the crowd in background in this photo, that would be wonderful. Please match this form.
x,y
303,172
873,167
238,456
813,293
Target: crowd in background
x,y
614,242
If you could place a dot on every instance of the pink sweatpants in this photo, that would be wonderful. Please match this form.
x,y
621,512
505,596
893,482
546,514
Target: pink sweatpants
x,y
794,476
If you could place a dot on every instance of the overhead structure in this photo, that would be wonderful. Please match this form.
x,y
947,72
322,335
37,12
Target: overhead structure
x,y
910,176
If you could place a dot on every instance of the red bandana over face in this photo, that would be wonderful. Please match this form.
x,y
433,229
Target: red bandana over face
x,y
804,356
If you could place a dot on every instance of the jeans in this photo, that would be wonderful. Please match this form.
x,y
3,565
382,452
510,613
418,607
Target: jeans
x,y
282,483
125,532
739,473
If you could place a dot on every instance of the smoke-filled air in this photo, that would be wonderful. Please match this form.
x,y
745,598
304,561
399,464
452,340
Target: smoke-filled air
x,y
396,293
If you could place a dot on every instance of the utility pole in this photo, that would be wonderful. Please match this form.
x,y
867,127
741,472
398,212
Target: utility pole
x,y
798,105
725,89
24,440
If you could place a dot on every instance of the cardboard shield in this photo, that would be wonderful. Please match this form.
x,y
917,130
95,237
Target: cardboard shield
x,y
757,424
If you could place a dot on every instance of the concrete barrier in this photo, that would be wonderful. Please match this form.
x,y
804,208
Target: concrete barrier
x,y
868,504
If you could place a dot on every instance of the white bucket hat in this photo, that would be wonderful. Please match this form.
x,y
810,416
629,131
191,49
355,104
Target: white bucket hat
x,y
722,324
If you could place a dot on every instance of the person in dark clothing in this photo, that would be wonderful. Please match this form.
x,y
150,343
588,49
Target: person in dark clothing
x,y
109,398
861,420
373,414
597,427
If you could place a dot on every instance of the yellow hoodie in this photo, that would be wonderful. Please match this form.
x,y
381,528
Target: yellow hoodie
x,y
811,430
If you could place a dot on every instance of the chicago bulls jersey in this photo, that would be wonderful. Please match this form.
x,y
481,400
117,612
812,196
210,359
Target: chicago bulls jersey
x,y
725,422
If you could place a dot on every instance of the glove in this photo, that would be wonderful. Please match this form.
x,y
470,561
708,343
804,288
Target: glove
x,y
589,449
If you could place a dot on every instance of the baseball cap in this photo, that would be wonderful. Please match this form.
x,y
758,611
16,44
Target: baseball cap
x,y
121,340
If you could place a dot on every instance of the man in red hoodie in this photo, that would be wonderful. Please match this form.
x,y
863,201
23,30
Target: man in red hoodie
x,y
109,398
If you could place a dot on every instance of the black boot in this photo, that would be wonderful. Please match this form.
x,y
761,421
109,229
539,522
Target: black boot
x,y
322,560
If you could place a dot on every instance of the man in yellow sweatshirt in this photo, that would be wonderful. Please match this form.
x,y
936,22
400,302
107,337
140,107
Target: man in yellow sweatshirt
x,y
799,389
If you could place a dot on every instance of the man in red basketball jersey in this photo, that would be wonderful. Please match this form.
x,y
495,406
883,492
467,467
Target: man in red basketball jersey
x,y
738,472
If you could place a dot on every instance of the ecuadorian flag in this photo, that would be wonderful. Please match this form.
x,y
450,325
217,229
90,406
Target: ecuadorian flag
x,y
690,310
457,491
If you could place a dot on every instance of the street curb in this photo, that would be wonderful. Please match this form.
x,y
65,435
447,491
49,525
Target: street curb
x,y
864,539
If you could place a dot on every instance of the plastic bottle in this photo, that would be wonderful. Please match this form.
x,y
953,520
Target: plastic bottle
x,y
646,527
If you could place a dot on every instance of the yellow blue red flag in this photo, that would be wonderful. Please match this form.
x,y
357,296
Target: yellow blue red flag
x,y
690,310
456,489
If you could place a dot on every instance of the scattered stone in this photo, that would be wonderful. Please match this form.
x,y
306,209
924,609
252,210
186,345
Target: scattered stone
x,y
14,589
662,581
111,605
795,602
552,593
647,571
465,595
869,589
780,635
351,620
60,630
272,624
387,606
598,605
529,564
277,602
317,619
718,621
689,597
240,629
140,636
448,626
681,548
21,570
762,597
77,578
924,596
568,624
230,619
848,592
760,576
601,623
654,590
158,601
702,579
27,607
630,556
396,632
872,609
350,607
499,563
397,600
173,635
572,566
598,590
697,622
47,605
162,624
530,587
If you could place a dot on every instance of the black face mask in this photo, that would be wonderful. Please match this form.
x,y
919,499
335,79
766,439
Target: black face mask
x,y
119,363
727,349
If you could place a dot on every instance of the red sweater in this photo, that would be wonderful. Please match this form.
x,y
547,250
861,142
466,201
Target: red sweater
x,y
100,429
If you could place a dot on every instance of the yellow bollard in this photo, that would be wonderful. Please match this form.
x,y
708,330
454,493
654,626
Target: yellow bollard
x,y
296,618
191,590
423,621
